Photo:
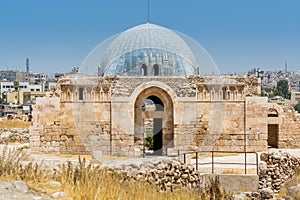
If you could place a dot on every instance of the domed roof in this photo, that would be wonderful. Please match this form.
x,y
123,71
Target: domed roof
x,y
153,42
148,50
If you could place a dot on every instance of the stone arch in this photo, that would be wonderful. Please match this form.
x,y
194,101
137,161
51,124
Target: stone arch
x,y
278,108
164,117
150,84
273,126
272,112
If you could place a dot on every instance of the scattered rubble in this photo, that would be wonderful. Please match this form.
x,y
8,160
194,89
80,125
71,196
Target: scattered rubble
x,y
276,169
19,190
14,135
166,174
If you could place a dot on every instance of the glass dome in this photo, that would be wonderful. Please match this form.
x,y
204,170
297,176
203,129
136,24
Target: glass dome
x,y
148,50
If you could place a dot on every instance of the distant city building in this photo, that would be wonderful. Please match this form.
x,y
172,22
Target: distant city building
x,y
10,109
8,86
24,97
75,70
18,101
35,88
295,97
22,77
11,75
8,75
50,85
270,79
58,76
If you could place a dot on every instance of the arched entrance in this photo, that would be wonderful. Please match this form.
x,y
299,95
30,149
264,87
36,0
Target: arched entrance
x,y
273,128
153,120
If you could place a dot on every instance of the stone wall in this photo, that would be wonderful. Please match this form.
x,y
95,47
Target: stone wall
x,y
58,129
284,126
256,123
221,126
289,130
103,114
274,170
168,174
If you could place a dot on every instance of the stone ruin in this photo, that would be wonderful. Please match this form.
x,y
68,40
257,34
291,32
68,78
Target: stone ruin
x,y
83,115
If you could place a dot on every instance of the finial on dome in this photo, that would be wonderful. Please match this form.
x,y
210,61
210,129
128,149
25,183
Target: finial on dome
x,y
148,17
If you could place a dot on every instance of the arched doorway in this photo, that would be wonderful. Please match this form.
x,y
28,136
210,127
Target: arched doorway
x,y
154,108
273,128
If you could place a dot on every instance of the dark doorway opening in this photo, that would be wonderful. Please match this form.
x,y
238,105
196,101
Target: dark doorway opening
x,y
156,70
144,70
152,106
157,136
80,94
273,132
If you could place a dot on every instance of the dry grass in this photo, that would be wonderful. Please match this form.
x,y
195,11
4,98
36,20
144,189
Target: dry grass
x,y
82,181
95,183
14,124
287,192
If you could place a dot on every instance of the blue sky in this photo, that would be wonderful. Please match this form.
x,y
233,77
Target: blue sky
x,y
57,35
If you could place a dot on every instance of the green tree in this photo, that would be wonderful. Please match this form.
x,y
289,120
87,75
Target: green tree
x,y
149,139
282,89
16,85
297,107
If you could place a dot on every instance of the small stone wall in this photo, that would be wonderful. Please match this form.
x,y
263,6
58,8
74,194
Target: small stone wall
x,y
289,129
14,135
234,183
274,170
165,174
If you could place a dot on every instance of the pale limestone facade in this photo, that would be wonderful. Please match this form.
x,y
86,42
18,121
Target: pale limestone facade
x,y
105,114
283,126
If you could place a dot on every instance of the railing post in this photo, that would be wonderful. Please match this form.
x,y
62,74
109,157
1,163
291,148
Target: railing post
x,y
196,160
212,162
245,162
256,163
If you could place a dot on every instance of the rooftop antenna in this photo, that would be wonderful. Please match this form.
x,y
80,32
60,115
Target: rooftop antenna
x,y
148,18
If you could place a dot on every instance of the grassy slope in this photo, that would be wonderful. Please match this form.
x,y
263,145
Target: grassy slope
x,y
14,124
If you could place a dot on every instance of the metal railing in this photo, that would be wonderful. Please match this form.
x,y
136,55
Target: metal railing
x,y
213,156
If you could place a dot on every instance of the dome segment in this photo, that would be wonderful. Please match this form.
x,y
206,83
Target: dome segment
x,y
148,50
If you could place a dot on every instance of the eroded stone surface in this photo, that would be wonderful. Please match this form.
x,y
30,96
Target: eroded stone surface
x,y
105,115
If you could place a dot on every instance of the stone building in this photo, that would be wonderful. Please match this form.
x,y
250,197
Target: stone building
x,y
191,110
23,97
